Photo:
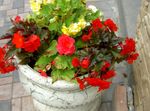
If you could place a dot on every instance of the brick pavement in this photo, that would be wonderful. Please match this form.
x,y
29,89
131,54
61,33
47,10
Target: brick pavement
x,y
12,95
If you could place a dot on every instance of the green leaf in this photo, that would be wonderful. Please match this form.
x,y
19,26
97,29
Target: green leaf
x,y
69,20
63,62
58,74
92,16
68,75
53,26
116,55
42,62
52,49
46,9
80,44
11,52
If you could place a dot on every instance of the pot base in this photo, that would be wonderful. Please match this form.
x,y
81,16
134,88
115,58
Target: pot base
x,y
94,106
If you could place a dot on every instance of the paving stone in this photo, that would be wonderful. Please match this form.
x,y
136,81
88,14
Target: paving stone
x,y
106,106
27,8
3,42
1,2
1,22
3,30
26,1
24,15
2,14
18,4
6,80
6,7
5,2
27,101
5,105
16,104
108,94
16,77
20,10
12,12
19,91
120,99
5,92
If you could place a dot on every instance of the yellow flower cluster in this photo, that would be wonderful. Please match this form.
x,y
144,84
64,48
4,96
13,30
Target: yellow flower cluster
x,y
74,28
36,4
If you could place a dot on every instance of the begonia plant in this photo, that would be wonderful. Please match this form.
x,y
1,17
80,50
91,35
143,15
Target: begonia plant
x,y
67,40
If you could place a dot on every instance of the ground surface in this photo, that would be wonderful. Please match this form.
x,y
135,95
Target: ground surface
x,y
12,95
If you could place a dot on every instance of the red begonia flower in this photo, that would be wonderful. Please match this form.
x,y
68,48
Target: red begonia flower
x,y
132,58
87,37
53,62
75,62
42,73
32,43
17,19
94,74
6,66
128,47
81,83
97,24
108,75
111,25
18,40
7,69
85,63
2,54
97,82
66,45
105,66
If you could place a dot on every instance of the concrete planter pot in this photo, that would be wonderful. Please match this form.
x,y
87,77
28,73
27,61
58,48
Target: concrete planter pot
x,y
60,96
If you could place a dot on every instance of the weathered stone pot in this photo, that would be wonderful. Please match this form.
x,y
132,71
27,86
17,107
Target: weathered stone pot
x,y
60,96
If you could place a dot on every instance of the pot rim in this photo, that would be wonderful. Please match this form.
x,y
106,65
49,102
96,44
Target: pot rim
x,y
60,85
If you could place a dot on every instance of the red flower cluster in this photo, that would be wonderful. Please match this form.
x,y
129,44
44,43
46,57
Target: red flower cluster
x,y
87,37
18,40
66,45
81,83
131,58
128,49
31,44
105,66
111,25
95,82
17,19
6,66
94,74
2,53
97,24
84,63
42,73
75,62
108,75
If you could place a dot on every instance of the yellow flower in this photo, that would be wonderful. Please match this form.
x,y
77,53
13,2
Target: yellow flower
x,y
35,6
74,29
65,30
39,1
48,1
82,23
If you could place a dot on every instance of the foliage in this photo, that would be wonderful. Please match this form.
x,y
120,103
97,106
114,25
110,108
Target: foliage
x,y
68,41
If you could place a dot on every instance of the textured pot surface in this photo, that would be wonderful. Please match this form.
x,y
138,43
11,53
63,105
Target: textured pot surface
x,y
59,96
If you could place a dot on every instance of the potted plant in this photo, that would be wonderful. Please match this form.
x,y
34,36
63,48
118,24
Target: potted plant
x,y
65,54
